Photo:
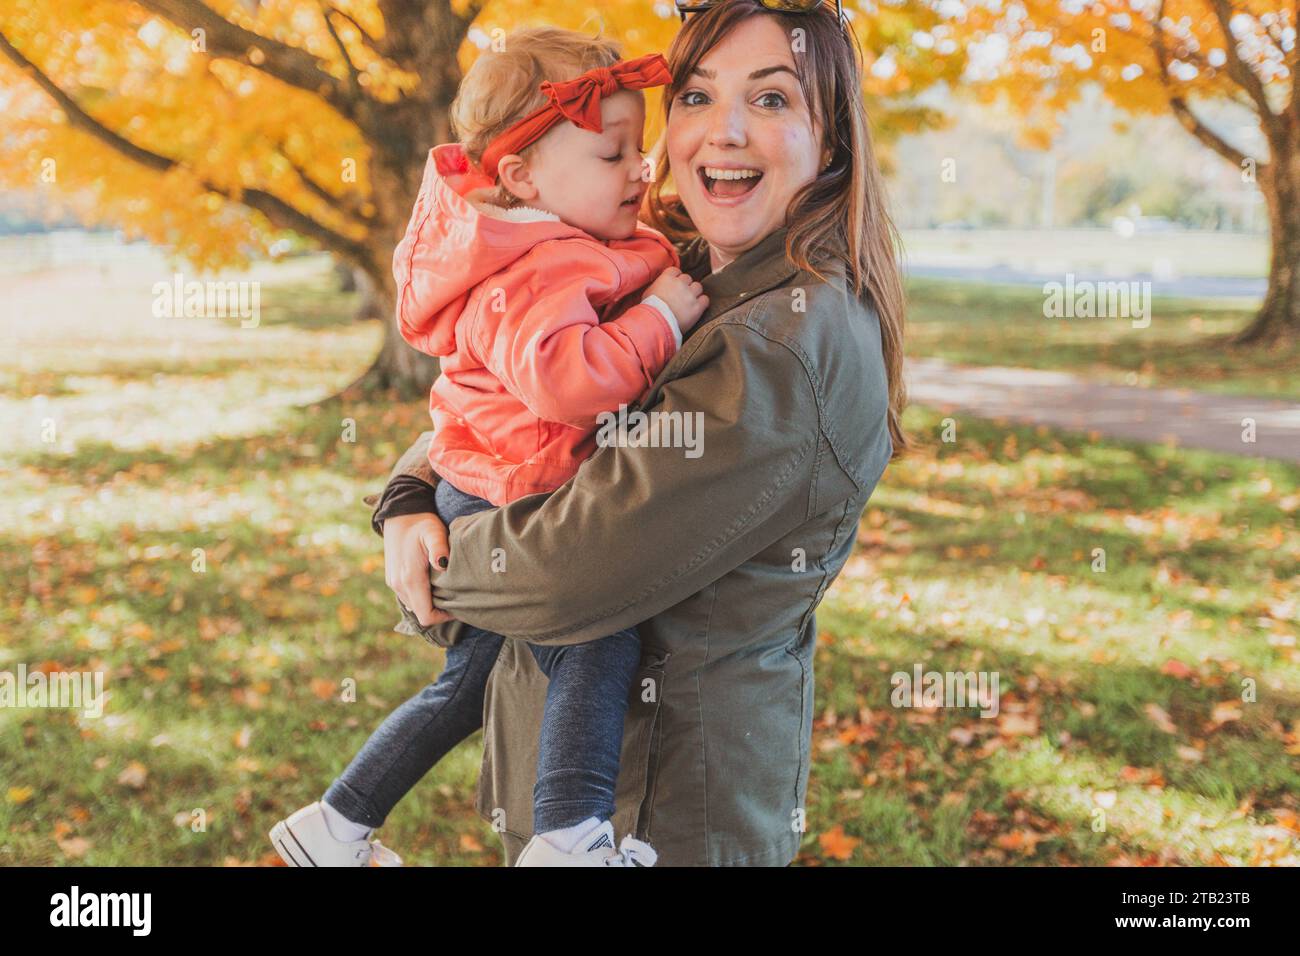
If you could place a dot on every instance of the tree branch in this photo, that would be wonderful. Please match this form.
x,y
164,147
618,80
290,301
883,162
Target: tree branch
x,y
339,204
1184,53
354,77
1238,69
224,39
370,41
280,213
1190,122
1182,111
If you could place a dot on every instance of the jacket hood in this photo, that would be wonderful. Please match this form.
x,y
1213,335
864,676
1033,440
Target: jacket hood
x,y
454,241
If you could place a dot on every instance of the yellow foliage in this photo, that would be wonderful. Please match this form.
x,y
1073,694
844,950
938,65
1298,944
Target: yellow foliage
x,y
231,127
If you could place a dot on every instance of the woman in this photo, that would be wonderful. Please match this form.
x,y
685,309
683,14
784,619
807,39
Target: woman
x,y
720,552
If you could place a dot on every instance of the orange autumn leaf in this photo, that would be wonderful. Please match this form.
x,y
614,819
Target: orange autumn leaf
x,y
1288,819
1025,841
838,845
1176,668
349,617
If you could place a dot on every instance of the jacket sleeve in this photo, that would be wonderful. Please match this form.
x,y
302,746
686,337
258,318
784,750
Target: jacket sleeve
x,y
639,529
412,466
536,330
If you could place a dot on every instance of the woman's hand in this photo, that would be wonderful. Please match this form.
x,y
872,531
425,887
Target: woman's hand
x,y
412,545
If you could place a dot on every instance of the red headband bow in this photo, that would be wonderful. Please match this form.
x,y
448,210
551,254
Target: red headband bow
x,y
578,101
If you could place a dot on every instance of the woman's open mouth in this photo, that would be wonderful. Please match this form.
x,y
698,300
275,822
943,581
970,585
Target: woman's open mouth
x,y
724,183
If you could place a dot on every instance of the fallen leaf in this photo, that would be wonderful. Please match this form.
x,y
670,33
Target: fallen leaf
x,y
134,775
1225,711
74,848
1160,717
1018,725
836,844
1023,840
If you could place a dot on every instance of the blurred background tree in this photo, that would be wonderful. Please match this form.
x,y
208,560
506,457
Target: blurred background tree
x,y
218,130
1180,57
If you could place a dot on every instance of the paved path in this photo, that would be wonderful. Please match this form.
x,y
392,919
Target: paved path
x,y
1190,418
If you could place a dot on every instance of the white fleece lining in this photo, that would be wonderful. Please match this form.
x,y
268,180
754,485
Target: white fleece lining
x,y
516,214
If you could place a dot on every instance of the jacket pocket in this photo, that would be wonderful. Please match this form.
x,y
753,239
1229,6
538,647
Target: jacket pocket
x,y
633,792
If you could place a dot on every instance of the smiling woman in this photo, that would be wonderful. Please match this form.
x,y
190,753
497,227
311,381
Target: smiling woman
x,y
740,140
721,559
749,152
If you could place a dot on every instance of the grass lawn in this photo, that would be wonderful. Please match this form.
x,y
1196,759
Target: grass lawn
x,y
976,324
194,531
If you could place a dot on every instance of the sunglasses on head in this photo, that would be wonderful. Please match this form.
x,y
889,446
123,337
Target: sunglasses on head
x,y
783,6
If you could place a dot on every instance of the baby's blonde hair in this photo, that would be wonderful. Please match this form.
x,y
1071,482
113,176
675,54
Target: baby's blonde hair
x,y
502,87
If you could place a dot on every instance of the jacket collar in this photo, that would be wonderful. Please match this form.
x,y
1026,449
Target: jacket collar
x,y
752,273
755,271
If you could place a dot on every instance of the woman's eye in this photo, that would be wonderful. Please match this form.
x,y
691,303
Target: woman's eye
x,y
613,159
689,98
772,101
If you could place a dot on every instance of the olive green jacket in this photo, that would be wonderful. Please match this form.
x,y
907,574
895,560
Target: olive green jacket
x,y
721,557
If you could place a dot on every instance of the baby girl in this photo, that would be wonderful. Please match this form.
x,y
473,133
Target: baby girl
x,y
525,270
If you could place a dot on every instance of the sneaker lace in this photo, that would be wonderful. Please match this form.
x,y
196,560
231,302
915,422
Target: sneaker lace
x,y
375,853
633,853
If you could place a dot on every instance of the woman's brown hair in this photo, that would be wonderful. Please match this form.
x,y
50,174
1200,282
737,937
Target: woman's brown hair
x,y
843,212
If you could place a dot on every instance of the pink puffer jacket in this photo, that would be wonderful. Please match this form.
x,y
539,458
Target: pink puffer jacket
x,y
540,327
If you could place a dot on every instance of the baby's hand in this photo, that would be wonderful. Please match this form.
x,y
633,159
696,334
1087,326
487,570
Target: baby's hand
x,y
684,296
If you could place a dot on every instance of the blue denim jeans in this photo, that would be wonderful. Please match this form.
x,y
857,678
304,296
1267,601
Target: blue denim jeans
x,y
580,738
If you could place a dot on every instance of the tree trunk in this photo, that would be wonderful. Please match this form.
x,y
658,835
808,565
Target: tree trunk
x,y
1278,318
400,368
397,367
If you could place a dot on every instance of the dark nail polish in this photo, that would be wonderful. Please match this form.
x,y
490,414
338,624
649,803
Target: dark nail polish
x,y
442,562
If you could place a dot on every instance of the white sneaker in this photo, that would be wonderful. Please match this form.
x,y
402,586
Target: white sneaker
x,y
596,849
304,839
